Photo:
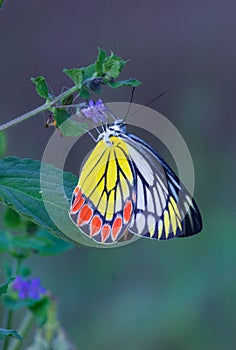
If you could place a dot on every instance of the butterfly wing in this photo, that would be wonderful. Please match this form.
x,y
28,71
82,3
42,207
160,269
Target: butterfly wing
x,y
103,201
164,208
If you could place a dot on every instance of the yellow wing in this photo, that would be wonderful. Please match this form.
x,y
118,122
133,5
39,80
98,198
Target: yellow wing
x,y
103,202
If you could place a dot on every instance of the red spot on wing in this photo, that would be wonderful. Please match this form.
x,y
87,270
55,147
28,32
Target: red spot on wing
x,y
105,232
84,215
127,212
116,228
95,225
78,201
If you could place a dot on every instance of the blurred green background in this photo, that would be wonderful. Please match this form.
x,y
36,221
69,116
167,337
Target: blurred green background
x,y
149,295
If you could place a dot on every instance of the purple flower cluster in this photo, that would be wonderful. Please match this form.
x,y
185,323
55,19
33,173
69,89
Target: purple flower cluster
x,y
28,288
95,111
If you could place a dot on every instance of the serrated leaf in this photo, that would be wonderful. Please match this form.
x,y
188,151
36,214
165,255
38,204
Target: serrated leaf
x,y
89,71
128,82
113,66
100,60
12,219
41,86
40,310
3,143
41,192
76,75
4,287
4,333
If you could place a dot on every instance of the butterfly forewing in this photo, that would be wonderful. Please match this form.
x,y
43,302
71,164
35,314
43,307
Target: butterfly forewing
x,y
125,185
164,208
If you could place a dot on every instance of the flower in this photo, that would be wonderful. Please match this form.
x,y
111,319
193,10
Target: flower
x,y
95,111
28,288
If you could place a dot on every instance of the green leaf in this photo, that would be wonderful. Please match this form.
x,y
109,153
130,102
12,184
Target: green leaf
x,y
12,219
3,144
1,3
89,71
42,243
41,87
28,242
76,75
68,100
67,124
120,83
13,303
4,287
84,93
40,310
60,115
42,193
100,60
72,128
9,332
54,246
113,66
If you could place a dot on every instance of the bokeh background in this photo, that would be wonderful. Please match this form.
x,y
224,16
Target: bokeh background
x,y
149,295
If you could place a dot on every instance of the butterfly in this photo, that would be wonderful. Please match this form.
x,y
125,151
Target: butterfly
x,y
125,186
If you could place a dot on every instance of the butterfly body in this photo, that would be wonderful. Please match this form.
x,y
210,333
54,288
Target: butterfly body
x,y
125,186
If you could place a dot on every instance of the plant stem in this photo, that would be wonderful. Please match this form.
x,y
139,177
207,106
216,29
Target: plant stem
x,y
23,330
8,326
10,312
44,107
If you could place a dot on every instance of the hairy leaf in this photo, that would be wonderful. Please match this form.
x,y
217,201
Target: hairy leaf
x,y
41,86
41,192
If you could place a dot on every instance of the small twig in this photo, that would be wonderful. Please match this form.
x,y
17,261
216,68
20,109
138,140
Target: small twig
x,y
44,107
23,330
10,312
8,326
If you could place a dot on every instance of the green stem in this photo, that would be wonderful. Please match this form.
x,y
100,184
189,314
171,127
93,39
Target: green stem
x,y
8,326
10,312
46,106
23,330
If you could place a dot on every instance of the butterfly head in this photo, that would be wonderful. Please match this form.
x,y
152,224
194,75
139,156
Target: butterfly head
x,y
114,129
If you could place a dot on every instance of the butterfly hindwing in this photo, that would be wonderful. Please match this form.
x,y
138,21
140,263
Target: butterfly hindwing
x,y
102,204
126,187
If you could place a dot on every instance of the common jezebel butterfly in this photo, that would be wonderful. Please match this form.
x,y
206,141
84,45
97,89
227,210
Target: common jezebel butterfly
x,y
125,185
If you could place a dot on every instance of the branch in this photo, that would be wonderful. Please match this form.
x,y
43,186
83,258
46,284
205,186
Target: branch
x,y
46,106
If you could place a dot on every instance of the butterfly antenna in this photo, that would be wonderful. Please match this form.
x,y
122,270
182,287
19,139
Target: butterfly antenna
x,y
156,98
150,102
131,100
